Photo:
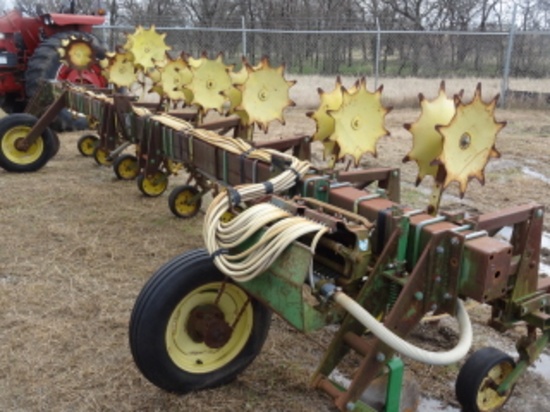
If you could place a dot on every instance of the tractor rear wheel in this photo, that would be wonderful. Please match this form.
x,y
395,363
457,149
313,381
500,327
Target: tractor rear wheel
x,y
45,64
13,158
193,329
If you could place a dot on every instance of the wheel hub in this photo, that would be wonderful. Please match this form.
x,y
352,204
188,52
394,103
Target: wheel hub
x,y
207,324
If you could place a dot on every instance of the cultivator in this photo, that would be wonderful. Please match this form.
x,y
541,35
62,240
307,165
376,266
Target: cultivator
x,y
318,245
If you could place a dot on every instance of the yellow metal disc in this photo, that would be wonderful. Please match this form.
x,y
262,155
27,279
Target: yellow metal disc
x,y
359,122
173,77
234,94
325,122
121,70
265,94
147,46
210,79
427,141
77,53
469,141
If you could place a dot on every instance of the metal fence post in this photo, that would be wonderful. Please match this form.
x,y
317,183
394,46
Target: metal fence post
x,y
377,53
506,74
243,25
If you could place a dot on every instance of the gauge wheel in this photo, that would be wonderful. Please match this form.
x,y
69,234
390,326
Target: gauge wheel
x,y
86,144
185,201
479,378
126,167
193,329
153,186
102,156
14,158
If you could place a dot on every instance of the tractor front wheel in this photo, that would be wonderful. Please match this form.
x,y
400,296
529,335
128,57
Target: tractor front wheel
x,y
193,329
15,156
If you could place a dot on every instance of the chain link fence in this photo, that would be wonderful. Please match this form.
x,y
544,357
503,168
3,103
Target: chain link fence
x,y
373,53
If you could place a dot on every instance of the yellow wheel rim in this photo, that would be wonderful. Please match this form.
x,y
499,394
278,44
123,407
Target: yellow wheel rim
x,y
21,157
487,398
196,357
87,146
183,203
102,157
156,185
127,168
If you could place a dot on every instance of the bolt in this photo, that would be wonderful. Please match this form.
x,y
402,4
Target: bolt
x,y
434,307
539,213
395,173
440,250
350,406
455,241
447,296
390,266
380,357
363,245
419,296
437,279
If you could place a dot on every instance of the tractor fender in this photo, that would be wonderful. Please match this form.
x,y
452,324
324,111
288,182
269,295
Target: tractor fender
x,y
73,19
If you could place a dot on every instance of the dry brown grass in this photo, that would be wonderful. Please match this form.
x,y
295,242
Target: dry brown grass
x,y
77,246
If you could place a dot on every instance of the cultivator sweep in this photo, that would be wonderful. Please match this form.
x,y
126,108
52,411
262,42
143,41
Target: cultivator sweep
x,y
318,245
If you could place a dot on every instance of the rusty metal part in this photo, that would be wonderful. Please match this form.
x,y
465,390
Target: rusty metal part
x,y
207,324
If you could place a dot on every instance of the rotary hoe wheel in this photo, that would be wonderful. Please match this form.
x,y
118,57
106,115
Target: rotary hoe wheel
x,y
427,141
119,69
147,46
173,79
210,80
469,141
265,94
192,329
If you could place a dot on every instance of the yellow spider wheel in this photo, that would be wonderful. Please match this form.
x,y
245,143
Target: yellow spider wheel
x,y
359,122
427,141
147,46
469,141
210,79
77,52
121,70
265,94
174,76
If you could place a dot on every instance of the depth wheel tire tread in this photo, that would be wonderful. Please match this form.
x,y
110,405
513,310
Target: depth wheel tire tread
x,y
50,143
473,372
152,310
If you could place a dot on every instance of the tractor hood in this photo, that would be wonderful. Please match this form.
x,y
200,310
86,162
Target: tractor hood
x,y
72,19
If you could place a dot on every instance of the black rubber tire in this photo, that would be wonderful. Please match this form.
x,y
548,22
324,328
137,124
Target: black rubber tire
x,y
472,374
143,184
173,201
149,321
56,144
86,140
44,65
48,138
118,165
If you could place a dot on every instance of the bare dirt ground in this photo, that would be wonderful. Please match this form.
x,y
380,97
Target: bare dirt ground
x,y
77,245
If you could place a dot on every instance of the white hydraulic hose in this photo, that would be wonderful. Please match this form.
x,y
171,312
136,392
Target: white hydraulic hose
x,y
405,348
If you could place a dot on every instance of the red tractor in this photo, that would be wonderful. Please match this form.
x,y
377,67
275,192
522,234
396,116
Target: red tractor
x,y
29,54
